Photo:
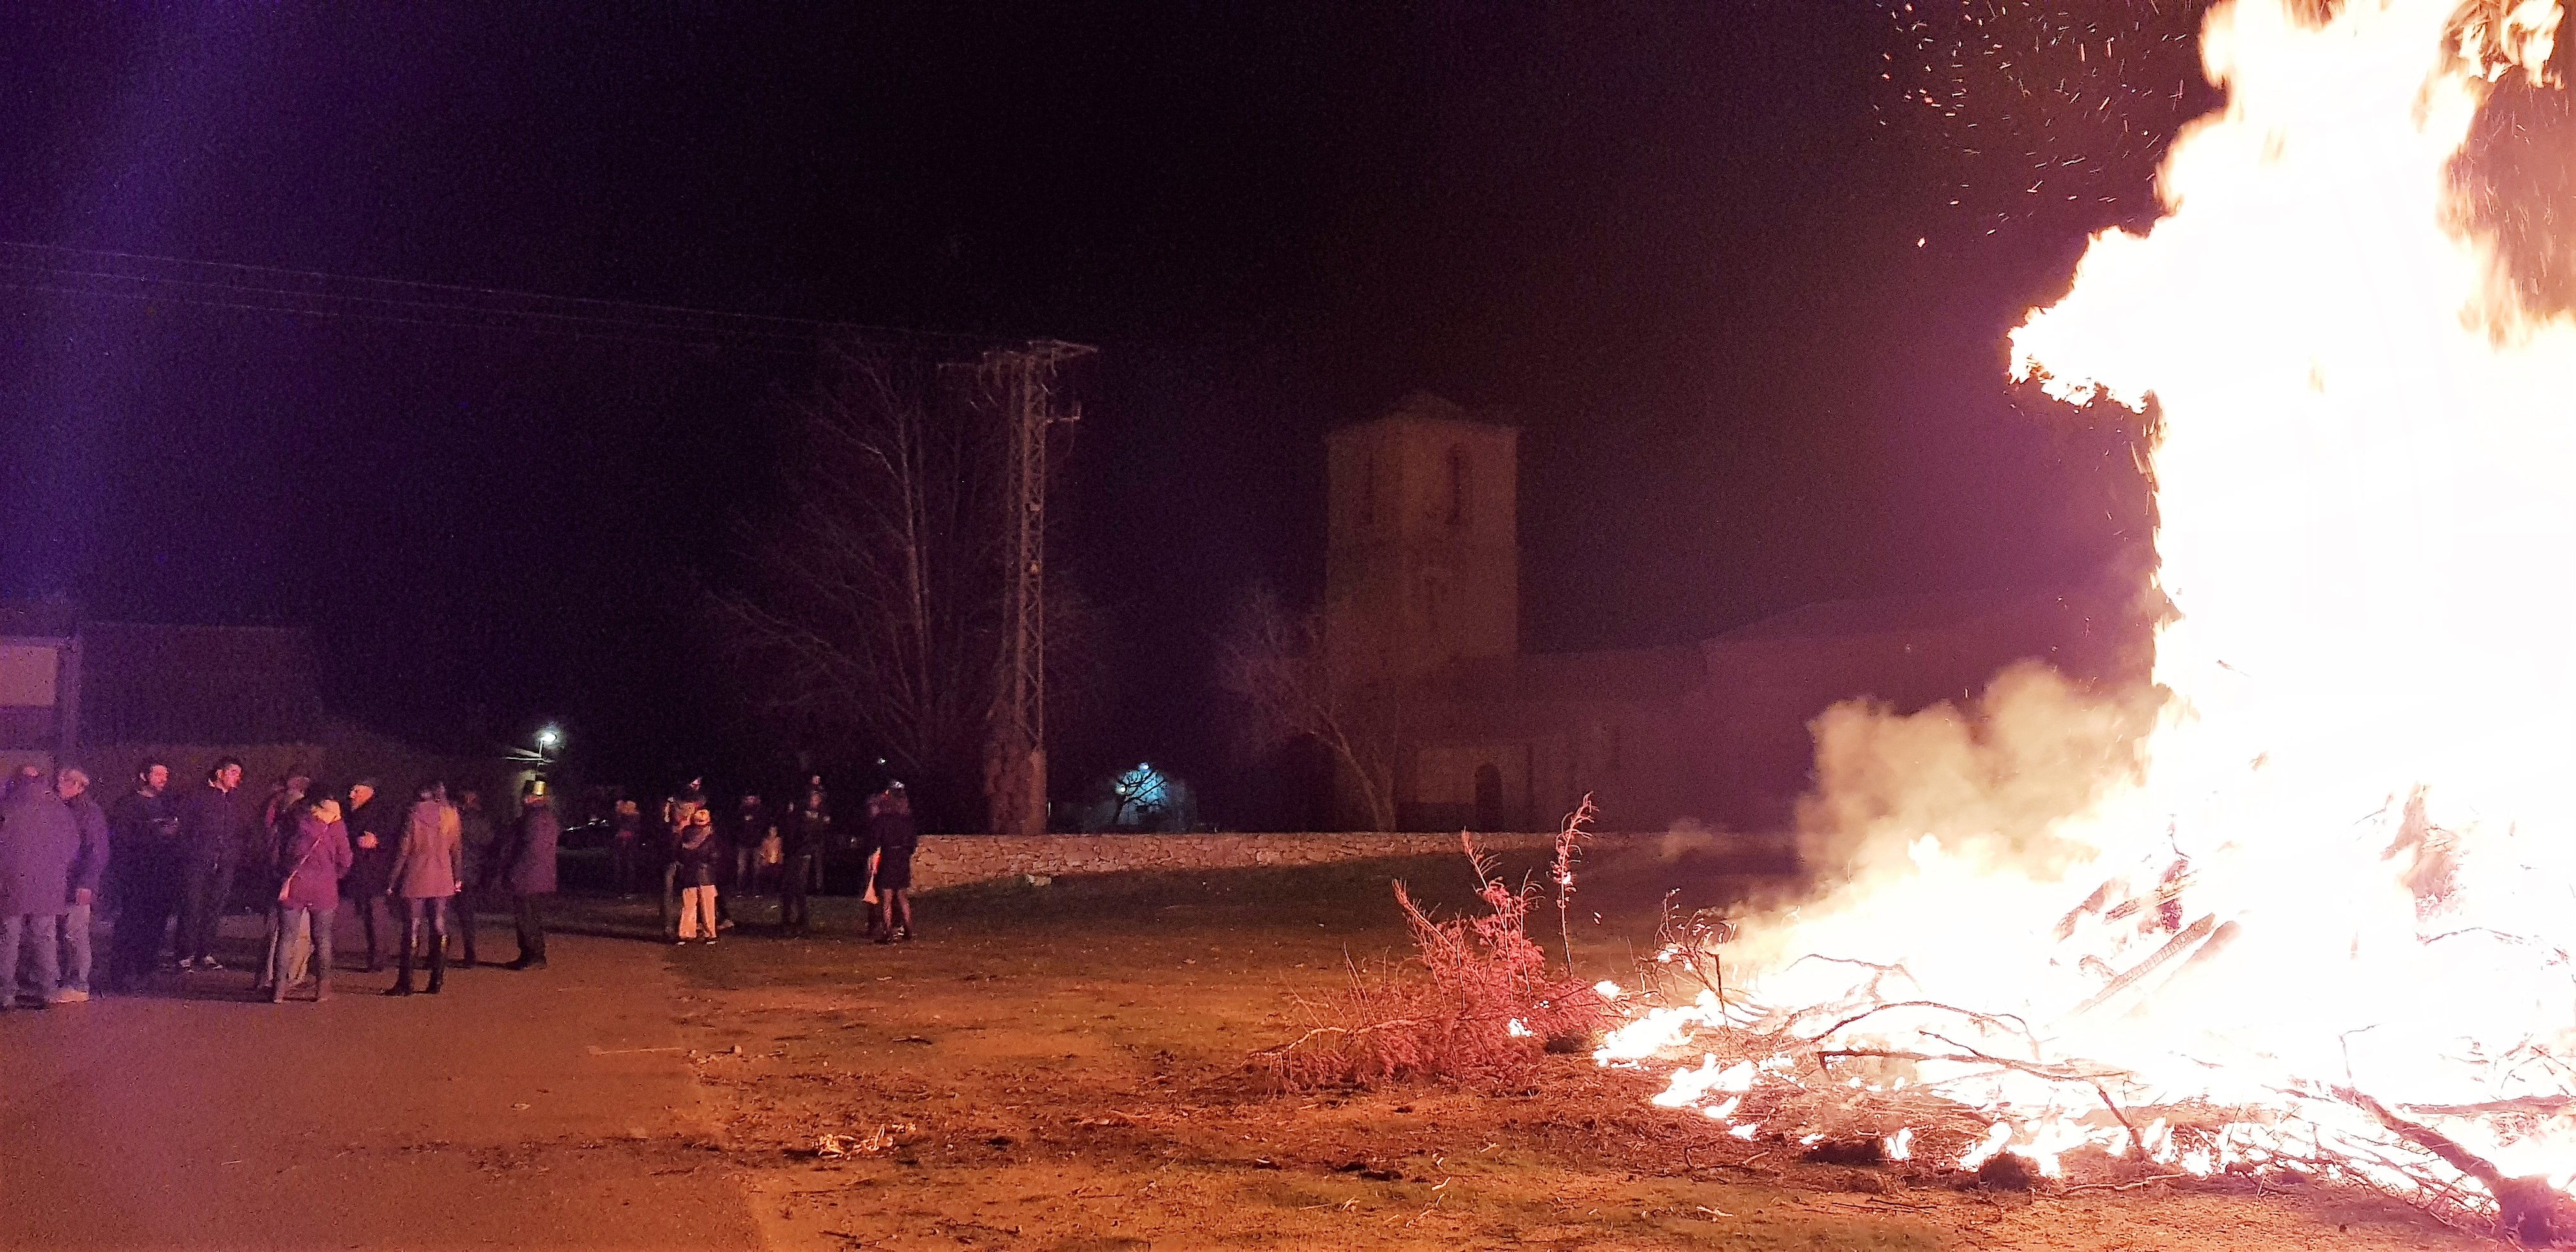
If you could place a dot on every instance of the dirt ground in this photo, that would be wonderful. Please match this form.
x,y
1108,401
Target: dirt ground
x,y
1064,1067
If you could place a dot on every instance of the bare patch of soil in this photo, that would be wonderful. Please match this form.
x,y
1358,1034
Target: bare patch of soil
x,y
1065,1068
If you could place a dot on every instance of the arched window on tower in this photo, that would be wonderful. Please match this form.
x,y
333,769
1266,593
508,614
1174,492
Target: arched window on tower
x,y
1457,486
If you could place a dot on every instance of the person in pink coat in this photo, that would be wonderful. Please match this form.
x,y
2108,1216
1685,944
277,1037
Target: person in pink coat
x,y
315,857
427,872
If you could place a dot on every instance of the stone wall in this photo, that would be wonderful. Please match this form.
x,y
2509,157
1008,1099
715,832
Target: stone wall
x,y
956,860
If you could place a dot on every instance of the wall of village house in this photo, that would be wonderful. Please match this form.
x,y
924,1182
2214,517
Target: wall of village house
x,y
959,860
1647,765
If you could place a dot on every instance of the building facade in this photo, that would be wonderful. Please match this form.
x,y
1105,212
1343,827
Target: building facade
x,y
1422,642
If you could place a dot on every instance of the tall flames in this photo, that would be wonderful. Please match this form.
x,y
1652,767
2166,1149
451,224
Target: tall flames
x,y
2310,904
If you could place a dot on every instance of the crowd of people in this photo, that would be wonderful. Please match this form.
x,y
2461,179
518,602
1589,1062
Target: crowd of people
x,y
169,863
706,862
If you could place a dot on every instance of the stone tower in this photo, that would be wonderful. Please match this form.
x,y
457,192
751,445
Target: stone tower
x,y
1422,563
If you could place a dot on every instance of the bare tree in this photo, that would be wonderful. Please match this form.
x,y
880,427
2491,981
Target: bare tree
x,y
868,605
1271,658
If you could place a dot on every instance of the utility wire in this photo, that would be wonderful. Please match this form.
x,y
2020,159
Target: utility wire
x,y
337,305
343,314
51,268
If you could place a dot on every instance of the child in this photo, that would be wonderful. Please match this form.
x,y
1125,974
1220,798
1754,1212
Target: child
x,y
695,865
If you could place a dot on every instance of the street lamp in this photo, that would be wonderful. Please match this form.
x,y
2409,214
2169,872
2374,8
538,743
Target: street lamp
x,y
548,740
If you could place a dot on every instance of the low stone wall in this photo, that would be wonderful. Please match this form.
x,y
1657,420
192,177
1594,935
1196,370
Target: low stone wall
x,y
956,860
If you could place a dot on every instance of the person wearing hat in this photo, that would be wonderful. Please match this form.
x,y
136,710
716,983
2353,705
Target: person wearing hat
x,y
530,871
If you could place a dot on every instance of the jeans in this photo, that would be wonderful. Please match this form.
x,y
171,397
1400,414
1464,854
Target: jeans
x,y
76,954
532,928
201,909
290,945
670,915
18,931
290,917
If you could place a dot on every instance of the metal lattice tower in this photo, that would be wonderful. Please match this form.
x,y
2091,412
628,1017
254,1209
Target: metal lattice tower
x,y
1020,383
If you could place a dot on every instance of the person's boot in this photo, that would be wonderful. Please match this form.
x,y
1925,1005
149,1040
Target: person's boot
x,y
321,988
437,967
402,985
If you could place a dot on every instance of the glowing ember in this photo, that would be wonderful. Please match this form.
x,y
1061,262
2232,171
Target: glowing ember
x,y
2317,917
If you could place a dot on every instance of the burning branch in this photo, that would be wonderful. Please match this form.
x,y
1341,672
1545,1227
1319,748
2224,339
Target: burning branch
x,y
2528,1210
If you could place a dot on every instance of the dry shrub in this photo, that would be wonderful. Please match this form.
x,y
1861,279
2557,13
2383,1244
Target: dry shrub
x,y
1478,1002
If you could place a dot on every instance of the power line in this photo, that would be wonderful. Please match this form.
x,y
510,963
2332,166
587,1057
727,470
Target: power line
x,y
276,289
347,315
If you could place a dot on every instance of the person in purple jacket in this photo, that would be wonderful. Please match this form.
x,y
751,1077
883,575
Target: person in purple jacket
x,y
530,872
71,785
316,856
39,840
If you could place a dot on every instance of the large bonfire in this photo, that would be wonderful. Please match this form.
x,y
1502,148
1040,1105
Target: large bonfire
x,y
2308,906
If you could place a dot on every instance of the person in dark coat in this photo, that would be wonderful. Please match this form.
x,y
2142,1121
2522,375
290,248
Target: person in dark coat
x,y
276,830
315,857
742,837
425,877
477,851
626,854
89,866
39,841
144,875
530,873
371,842
891,832
214,824
801,839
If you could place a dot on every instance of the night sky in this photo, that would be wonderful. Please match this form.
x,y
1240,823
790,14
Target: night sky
x,y
1740,270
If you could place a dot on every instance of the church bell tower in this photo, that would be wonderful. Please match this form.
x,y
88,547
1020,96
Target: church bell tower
x,y
1422,563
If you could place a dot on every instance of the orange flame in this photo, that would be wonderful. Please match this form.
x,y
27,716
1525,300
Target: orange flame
x,y
2346,854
